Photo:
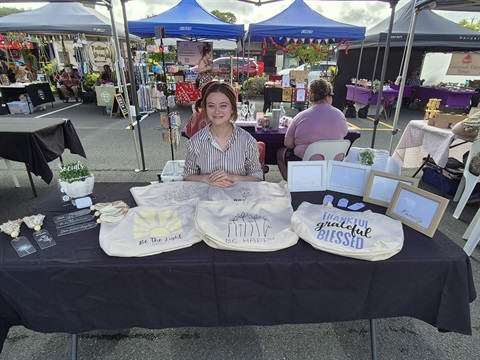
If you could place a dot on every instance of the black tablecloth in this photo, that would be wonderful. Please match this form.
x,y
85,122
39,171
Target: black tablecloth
x,y
36,142
39,93
75,287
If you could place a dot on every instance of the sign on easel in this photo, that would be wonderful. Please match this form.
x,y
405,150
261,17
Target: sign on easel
x,y
121,104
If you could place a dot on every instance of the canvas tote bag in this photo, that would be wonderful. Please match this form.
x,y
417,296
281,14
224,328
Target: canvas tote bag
x,y
149,230
169,192
360,235
250,191
246,225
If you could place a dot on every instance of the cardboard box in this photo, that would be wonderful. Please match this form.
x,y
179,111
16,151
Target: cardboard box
x,y
173,171
445,120
298,76
287,94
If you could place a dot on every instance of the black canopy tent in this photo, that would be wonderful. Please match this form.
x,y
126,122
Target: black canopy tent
x,y
422,5
434,33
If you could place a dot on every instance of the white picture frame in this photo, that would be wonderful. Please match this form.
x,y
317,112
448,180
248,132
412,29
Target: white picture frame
x,y
347,177
381,187
307,175
417,208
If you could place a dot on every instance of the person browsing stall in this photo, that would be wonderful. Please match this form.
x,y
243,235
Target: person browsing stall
x,y
69,82
205,67
321,121
222,154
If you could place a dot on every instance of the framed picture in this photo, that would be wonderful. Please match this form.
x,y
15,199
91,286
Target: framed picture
x,y
307,175
417,208
346,177
381,186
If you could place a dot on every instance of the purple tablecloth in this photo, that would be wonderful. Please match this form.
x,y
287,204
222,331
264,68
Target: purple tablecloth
x,y
451,98
407,90
361,95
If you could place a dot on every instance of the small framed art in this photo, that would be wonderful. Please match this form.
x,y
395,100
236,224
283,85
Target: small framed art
x,y
346,177
381,186
307,175
417,208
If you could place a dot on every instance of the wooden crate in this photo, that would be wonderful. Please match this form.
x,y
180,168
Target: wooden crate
x,y
287,94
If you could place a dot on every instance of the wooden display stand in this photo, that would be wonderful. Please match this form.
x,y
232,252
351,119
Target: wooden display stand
x,y
121,104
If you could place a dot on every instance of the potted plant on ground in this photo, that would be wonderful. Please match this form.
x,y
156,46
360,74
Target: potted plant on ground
x,y
76,180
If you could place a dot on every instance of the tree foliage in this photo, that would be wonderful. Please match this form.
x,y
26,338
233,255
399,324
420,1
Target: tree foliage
x,y
470,24
226,16
307,54
4,11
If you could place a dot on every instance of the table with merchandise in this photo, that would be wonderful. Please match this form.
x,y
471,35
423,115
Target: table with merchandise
x,y
75,286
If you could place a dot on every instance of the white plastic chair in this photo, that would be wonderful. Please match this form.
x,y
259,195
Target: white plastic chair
x,y
382,161
472,234
327,148
10,170
467,184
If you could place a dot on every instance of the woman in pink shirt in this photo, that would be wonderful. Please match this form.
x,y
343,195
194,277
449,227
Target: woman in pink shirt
x,y
321,121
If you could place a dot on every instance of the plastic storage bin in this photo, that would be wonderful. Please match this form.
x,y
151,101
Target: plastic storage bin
x,y
173,171
18,107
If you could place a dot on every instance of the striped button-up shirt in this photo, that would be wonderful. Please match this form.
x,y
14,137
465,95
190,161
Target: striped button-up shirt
x,y
205,156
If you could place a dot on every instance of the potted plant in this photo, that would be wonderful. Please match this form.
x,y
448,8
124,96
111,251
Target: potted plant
x,y
367,157
76,180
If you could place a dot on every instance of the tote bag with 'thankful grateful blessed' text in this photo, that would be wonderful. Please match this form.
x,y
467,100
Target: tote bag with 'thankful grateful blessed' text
x,y
360,235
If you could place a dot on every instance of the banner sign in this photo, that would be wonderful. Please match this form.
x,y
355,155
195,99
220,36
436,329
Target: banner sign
x,y
190,52
464,64
101,53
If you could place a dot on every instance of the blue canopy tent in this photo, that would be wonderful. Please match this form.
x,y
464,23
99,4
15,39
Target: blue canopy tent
x,y
300,21
187,19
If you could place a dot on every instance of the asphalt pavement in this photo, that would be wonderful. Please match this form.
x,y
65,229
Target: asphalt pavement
x,y
112,156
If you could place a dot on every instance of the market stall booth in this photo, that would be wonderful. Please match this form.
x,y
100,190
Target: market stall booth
x,y
300,24
81,37
190,21
433,33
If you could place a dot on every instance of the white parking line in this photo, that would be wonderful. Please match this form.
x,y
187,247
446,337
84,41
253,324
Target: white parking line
x,y
53,112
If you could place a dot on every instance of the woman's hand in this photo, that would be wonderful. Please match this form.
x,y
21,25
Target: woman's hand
x,y
221,178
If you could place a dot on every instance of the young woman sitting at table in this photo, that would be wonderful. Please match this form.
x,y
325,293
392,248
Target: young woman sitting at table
x,y
321,121
222,154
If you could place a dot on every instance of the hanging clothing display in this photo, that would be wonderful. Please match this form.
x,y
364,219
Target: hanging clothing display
x,y
360,235
149,230
246,225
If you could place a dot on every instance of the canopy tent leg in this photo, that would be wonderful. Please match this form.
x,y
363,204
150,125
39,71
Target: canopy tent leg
x,y
404,78
393,4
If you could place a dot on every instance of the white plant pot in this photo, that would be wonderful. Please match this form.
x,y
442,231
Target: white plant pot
x,y
78,188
